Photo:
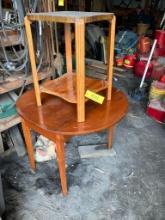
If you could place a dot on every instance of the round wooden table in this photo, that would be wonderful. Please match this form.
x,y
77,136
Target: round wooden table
x,y
56,120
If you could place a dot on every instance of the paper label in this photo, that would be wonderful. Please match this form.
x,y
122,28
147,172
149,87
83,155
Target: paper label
x,y
94,96
60,2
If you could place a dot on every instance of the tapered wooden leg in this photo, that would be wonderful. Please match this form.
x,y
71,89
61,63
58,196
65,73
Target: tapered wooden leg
x,y
110,137
32,60
111,56
80,69
61,162
29,146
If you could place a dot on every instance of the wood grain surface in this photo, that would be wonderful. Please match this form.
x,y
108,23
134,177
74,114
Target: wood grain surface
x,y
65,86
59,117
70,16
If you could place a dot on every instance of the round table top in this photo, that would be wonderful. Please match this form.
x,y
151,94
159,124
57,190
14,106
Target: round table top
x,y
60,117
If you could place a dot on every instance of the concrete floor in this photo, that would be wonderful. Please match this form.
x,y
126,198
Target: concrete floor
x,y
127,184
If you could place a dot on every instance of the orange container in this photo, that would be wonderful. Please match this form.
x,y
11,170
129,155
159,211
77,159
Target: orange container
x,y
144,45
119,60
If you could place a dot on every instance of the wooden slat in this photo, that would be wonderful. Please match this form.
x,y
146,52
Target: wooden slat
x,y
91,72
101,65
17,80
12,39
9,122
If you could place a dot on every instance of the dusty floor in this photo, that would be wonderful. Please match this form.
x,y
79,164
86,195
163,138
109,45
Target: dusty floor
x,y
127,185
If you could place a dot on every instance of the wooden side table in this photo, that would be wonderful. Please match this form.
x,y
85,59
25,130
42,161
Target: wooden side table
x,y
55,119
71,86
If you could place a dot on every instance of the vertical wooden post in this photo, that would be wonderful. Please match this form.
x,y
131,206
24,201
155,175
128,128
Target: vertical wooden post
x,y
111,56
32,60
68,48
59,140
29,146
80,69
110,137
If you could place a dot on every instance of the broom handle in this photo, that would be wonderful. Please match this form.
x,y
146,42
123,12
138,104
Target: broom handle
x,y
148,62
162,21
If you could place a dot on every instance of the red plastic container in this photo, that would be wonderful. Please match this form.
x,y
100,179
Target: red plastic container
x,y
156,114
159,52
129,61
139,69
160,36
158,72
162,79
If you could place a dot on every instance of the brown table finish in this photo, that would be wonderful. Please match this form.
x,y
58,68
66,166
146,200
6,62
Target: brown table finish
x,y
56,120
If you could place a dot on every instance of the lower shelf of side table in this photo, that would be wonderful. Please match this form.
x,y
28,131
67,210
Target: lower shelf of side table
x,y
65,87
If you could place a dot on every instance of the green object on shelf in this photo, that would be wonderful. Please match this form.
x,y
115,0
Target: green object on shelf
x,y
6,110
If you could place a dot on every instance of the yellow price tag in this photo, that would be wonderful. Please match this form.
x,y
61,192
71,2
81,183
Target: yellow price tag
x,y
60,2
94,97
